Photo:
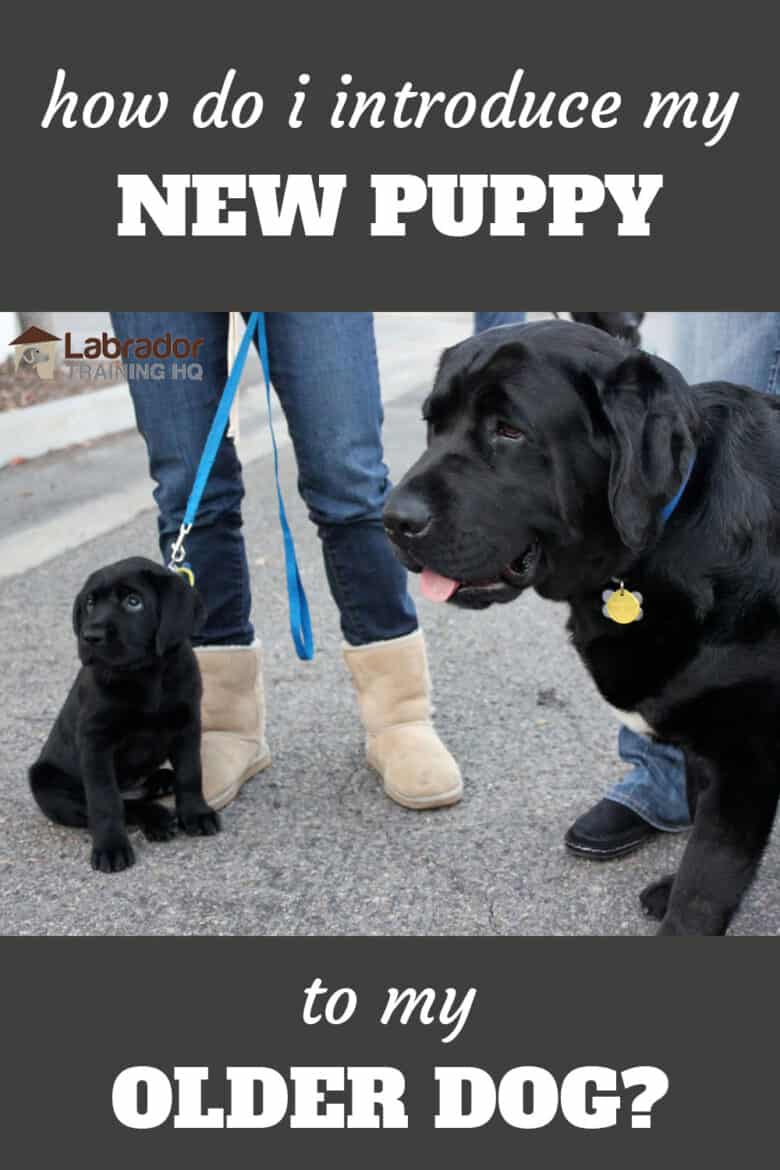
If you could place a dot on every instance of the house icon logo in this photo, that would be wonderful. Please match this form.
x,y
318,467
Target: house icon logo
x,y
34,351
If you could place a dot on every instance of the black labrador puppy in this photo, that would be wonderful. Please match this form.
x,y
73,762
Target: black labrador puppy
x,y
559,460
135,704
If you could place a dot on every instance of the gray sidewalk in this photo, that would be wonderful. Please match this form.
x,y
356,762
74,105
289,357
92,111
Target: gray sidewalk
x,y
312,846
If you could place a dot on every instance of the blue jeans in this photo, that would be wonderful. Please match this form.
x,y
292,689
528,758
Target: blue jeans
x,y
324,370
483,321
732,347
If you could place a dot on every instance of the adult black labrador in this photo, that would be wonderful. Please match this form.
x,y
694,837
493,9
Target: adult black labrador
x,y
135,704
560,461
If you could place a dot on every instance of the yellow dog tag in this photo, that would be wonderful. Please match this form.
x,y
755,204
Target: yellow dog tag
x,y
622,605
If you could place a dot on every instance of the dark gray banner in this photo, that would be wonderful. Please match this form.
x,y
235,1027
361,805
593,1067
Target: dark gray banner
x,y
474,125
88,1020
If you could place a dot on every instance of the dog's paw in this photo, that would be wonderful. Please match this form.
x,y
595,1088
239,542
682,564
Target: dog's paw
x,y
199,820
113,856
159,824
655,897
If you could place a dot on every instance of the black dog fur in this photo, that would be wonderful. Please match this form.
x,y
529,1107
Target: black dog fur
x,y
552,450
134,705
623,325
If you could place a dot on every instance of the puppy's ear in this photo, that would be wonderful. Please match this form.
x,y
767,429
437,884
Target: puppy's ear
x,y
182,612
78,604
647,406
76,617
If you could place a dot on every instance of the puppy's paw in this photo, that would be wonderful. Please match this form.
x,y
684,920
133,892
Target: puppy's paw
x,y
655,897
113,856
198,820
158,824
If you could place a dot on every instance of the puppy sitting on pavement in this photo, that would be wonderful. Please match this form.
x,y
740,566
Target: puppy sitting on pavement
x,y
135,704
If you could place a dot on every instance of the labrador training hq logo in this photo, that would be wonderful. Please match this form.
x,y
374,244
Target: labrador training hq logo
x,y
34,352
104,359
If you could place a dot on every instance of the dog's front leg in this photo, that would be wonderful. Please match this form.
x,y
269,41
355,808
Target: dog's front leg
x,y
733,820
195,816
111,848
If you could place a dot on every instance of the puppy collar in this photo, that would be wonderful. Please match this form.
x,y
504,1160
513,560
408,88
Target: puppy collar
x,y
623,605
669,508
184,570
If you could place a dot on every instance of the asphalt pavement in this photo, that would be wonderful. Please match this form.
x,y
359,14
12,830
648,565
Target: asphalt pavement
x,y
312,846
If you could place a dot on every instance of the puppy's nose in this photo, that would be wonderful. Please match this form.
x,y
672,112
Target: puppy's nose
x,y
94,637
406,516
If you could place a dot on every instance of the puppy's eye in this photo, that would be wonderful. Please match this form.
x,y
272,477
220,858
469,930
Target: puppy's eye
x,y
506,431
89,603
133,602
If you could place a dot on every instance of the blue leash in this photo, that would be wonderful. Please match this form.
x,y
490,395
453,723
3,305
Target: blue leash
x,y
300,620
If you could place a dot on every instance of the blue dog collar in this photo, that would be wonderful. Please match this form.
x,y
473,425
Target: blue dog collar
x,y
669,508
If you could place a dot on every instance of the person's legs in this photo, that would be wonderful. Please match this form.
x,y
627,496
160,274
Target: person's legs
x,y
483,321
655,787
649,797
734,347
174,414
324,369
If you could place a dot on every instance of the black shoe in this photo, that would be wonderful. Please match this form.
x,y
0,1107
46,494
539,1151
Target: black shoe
x,y
608,830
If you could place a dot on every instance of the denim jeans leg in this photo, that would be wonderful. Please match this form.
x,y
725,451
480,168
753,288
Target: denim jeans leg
x,y
483,321
655,786
733,347
324,369
174,413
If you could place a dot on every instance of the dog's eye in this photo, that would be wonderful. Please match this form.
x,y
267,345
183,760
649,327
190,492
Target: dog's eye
x,y
506,431
133,602
89,603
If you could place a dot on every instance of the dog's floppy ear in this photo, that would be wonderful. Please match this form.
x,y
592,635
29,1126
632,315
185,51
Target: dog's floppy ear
x,y
182,612
76,618
506,361
646,404
78,604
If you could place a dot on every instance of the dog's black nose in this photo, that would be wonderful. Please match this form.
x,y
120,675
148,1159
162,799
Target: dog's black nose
x,y
406,516
94,637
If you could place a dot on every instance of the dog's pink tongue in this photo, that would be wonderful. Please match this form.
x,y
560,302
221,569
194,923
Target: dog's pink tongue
x,y
435,587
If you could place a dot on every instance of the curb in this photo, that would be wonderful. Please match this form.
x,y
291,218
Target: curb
x,y
31,431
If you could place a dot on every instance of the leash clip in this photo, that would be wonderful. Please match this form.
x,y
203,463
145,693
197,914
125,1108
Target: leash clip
x,y
177,548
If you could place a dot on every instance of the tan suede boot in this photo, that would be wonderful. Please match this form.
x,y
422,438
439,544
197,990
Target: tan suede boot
x,y
394,696
233,745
